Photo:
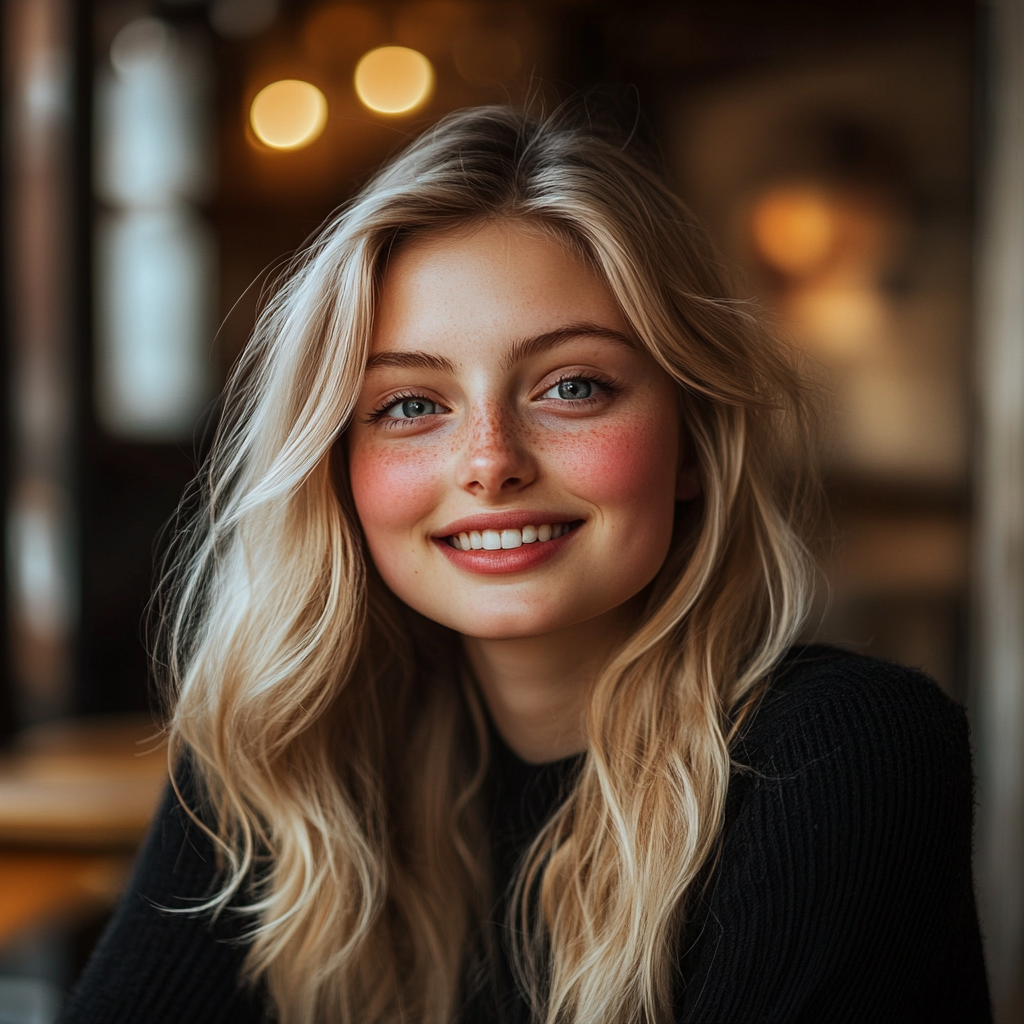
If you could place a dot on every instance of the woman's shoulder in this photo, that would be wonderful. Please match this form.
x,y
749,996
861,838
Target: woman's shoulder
x,y
816,673
158,963
849,815
822,700
856,731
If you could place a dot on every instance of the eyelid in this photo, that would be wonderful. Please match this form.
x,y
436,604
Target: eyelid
x,y
603,381
380,410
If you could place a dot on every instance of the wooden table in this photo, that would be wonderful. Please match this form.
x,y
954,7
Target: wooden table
x,y
76,798
42,887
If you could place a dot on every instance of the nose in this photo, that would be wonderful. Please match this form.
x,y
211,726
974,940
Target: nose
x,y
496,460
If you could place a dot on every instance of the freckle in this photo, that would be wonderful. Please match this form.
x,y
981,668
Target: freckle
x,y
618,456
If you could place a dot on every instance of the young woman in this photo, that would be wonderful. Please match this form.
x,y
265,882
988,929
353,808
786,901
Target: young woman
x,y
485,704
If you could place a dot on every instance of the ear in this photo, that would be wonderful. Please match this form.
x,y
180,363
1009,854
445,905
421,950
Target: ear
x,y
688,484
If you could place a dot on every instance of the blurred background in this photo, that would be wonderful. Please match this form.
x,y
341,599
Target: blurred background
x,y
861,166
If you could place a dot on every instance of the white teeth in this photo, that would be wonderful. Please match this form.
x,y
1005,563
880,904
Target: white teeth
x,y
494,540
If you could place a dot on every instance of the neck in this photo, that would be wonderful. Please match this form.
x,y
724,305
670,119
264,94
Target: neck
x,y
536,688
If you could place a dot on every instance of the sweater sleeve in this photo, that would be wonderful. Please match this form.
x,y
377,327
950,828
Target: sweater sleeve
x,y
844,889
156,966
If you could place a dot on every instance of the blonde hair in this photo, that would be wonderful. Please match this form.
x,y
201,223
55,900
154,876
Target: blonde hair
x,y
339,744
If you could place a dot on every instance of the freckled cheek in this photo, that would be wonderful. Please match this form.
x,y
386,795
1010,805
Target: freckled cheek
x,y
393,491
624,462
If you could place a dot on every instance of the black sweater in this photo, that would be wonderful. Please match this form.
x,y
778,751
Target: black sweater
x,y
843,891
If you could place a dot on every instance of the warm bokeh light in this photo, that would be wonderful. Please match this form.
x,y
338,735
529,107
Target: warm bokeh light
x,y
288,114
394,79
837,320
794,228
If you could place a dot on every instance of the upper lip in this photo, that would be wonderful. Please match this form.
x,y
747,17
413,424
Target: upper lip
x,y
514,519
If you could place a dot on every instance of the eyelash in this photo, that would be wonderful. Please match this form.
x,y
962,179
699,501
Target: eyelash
x,y
390,402
604,383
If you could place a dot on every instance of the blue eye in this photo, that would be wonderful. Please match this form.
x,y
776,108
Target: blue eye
x,y
571,390
412,408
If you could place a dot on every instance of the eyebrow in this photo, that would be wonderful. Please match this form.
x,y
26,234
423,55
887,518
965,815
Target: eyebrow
x,y
527,347
522,349
410,361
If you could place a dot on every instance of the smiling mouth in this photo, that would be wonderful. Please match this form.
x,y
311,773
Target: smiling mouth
x,y
505,540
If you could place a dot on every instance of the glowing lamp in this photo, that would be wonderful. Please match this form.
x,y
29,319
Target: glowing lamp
x,y
394,79
794,229
288,114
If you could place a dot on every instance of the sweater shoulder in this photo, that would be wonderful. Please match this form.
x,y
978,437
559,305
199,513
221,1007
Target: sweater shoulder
x,y
162,959
828,698
845,858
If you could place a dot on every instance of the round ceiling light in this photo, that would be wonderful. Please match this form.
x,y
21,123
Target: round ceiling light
x,y
288,114
794,228
394,79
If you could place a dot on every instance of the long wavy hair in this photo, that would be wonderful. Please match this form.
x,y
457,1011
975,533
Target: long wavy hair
x,y
339,740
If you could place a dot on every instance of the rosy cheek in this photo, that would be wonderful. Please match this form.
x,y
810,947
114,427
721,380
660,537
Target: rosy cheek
x,y
393,490
630,458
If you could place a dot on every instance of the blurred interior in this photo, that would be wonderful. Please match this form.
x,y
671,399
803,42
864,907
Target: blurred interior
x,y
164,159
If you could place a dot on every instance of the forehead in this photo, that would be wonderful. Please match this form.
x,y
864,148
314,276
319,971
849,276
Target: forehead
x,y
487,283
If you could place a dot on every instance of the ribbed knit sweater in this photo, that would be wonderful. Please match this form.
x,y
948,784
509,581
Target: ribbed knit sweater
x,y
842,892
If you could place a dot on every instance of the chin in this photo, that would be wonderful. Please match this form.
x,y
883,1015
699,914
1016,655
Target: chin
x,y
517,623
503,627
503,631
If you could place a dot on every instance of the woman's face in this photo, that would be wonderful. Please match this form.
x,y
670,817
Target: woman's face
x,y
507,410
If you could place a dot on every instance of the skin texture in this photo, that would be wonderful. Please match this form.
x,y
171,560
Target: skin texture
x,y
461,324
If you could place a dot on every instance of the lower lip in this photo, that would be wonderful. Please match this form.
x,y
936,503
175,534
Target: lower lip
x,y
505,560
